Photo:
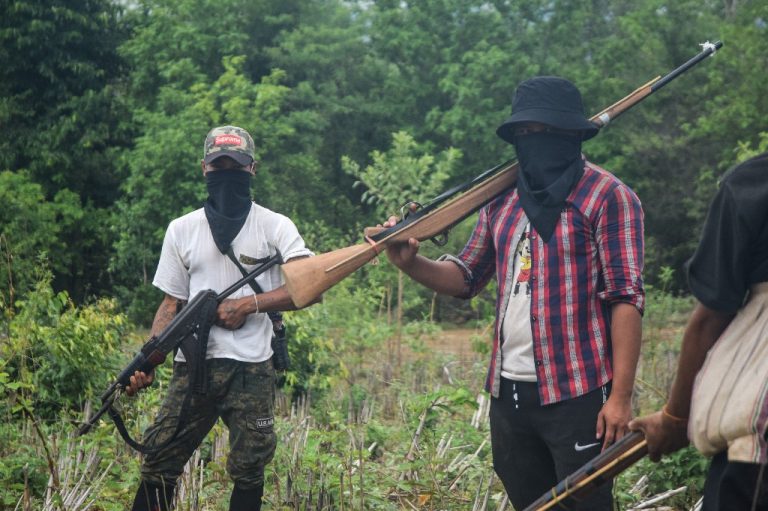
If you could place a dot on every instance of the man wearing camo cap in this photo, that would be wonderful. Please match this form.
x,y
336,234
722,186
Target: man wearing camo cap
x,y
240,371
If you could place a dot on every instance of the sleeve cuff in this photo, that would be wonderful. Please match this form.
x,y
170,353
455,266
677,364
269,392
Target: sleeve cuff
x,y
464,270
628,295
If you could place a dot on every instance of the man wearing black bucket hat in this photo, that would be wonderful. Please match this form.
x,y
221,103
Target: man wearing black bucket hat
x,y
566,247
239,366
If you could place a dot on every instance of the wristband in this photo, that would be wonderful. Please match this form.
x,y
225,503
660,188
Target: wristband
x,y
256,300
673,418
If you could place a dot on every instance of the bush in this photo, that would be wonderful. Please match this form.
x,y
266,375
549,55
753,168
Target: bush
x,y
64,352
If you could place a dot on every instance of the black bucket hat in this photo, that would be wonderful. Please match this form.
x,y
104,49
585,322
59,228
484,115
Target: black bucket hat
x,y
550,100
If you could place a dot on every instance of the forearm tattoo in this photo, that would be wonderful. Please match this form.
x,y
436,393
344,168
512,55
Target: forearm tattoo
x,y
165,314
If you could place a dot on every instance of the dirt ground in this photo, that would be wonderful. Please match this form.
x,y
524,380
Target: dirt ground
x,y
457,342
454,344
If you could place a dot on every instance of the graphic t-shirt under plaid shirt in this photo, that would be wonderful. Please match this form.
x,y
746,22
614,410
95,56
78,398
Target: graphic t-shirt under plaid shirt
x,y
594,259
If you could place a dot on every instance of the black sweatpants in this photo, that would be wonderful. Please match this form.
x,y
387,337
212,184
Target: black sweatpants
x,y
534,446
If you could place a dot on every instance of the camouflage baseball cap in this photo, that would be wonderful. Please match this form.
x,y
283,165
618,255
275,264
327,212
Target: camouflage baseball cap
x,y
229,141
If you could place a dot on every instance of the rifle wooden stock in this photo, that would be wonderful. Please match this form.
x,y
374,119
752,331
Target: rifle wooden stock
x,y
306,279
604,467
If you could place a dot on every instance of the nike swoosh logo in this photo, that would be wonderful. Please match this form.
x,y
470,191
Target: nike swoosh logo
x,y
584,447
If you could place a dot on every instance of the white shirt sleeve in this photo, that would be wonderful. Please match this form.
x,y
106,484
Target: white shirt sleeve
x,y
172,275
289,242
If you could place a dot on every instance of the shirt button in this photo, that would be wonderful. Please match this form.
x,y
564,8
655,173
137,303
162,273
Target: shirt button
x,y
539,363
533,277
533,318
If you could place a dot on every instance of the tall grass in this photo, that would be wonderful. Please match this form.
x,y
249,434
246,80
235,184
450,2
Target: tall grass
x,y
359,427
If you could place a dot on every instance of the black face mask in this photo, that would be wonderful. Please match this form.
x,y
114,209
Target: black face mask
x,y
228,204
550,165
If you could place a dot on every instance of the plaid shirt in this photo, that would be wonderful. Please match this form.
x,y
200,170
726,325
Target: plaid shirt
x,y
594,259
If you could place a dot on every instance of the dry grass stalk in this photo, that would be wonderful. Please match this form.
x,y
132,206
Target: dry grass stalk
x,y
640,487
190,483
481,414
79,478
658,498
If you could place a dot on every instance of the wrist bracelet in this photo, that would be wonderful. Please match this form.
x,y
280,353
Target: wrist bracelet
x,y
256,300
673,417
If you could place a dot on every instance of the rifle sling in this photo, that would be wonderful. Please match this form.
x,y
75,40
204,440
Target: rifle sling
x,y
143,448
198,384
276,317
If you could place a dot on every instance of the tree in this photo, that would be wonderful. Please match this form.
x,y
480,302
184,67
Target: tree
x,y
403,173
62,118
30,238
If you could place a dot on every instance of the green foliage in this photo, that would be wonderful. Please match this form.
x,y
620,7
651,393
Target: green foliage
x,y
745,151
686,467
64,122
31,232
22,462
316,335
361,432
402,174
58,353
56,58
665,317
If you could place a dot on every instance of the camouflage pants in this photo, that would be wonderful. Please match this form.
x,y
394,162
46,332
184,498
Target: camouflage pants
x,y
242,394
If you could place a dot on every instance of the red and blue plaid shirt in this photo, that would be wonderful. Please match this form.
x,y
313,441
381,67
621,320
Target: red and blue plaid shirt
x,y
593,259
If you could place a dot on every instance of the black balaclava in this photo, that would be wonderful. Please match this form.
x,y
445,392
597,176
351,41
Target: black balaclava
x,y
551,165
228,204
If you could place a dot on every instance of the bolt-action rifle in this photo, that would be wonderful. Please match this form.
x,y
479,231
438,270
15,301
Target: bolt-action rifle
x,y
601,469
306,279
188,331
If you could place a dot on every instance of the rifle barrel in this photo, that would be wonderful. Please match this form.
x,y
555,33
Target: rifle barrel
x,y
621,106
624,453
307,279
708,49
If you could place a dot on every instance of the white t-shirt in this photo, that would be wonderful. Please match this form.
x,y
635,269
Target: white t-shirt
x,y
517,362
190,262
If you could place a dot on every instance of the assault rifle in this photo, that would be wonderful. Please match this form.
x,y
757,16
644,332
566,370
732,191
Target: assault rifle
x,y
604,467
306,279
188,331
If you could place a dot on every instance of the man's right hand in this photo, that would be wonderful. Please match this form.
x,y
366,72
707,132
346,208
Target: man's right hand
x,y
403,253
139,380
442,276
664,434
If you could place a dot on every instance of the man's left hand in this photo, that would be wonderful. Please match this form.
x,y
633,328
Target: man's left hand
x,y
613,419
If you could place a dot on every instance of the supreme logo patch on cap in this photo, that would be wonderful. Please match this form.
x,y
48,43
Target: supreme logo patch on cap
x,y
228,140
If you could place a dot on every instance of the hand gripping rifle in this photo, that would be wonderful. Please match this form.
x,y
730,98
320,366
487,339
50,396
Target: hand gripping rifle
x,y
306,279
601,469
188,332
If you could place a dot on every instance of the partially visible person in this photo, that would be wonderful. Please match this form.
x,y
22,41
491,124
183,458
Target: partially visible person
x,y
566,248
719,397
241,377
